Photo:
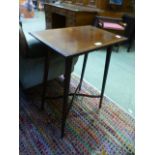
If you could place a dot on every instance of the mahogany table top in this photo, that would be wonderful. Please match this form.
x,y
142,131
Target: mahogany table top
x,y
72,41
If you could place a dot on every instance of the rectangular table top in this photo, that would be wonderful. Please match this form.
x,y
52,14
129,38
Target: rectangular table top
x,y
74,41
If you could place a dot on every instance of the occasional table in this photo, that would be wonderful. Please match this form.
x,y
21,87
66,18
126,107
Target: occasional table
x,y
71,42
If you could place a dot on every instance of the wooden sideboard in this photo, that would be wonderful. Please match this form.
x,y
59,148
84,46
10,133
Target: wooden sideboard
x,y
67,15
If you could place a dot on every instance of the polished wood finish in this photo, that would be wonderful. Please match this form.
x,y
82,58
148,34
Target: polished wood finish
x,y
77,40
70,42
71,15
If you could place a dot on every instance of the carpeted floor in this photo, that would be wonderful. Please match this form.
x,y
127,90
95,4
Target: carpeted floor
x,y
89,131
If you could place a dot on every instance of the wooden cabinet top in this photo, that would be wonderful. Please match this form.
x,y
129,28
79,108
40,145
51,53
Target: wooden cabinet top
x,y
73,41
75,8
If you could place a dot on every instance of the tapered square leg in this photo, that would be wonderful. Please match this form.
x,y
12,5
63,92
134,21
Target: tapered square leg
x,y
106,68
68,67
45,77
83,70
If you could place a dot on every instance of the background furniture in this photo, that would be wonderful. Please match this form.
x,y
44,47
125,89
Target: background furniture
x,y
126,6
26,8
129,32
124,27
111,14
31,62
66,15
111,24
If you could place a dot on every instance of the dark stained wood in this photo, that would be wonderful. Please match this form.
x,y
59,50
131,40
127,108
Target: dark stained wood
x,y
74,15
73,7
127,5
112,14
73,41
67,76
106,68
77,40
82,12
91,3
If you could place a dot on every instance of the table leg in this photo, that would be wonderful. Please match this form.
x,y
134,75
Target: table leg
x,y
46,67
83,70
107,62
68,67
